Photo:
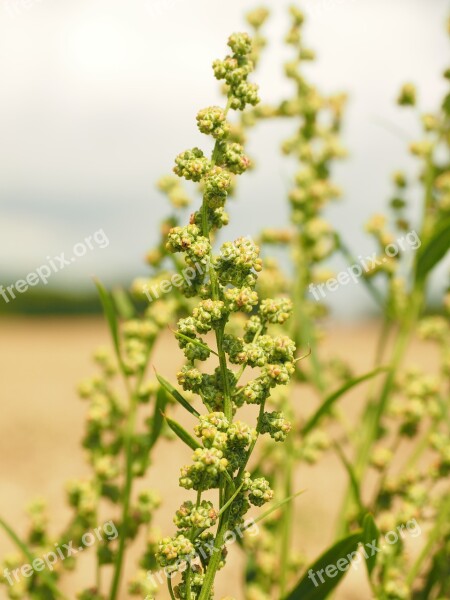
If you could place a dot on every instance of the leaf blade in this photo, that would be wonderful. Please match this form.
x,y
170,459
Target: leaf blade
x,y
158,415
371,535
30,556
176,394
273,508
306,589
183,434
328,403
352,476
433,252
110,314
123,303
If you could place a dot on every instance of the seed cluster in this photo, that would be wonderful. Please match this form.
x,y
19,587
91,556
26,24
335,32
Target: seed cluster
x,y
226,290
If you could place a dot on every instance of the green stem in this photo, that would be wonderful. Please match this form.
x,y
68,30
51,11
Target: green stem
x,y
433,537
372,289
129,431
216,557
302,327
227,403
169,585
287,517
192,537
43,575
252,445
401,344
126,497
225,490
382,341
374,413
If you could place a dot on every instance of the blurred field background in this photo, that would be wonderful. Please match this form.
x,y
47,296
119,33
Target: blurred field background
x,y
43,421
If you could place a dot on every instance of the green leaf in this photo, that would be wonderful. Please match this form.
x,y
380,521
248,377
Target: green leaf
x,y
371,288
111,316
371,535
158,416
353,480
273,508
446,105
176,394
195,341
183,434
316,584
233,497
434,251
328,403
123,303
44,575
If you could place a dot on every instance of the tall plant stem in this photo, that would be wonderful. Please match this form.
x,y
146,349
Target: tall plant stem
x,y
216,557
303,334
219,332
128,436
302,328
374,412
372,418
225,488
433,537
287,518
129,430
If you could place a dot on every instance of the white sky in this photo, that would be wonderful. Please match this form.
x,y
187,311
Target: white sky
x,y
98,96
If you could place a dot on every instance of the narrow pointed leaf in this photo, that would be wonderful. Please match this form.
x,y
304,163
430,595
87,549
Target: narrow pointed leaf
x,y
30,556
183,434
123,303
313,586
195,341
158,415
433,252
110,314
353,480
371,288
227,504
176,394
371,535
328,403
230,480
273,508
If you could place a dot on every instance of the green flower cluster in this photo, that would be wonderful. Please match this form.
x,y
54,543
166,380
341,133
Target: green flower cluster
x,y
213,121
196,579
204,472
238,263
172,550
201,517
188,240
235,69
275,425
226,290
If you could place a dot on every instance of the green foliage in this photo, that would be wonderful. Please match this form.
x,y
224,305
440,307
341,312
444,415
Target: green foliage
x,y
308,589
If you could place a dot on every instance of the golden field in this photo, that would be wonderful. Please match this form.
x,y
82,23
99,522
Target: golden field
x,y
42,424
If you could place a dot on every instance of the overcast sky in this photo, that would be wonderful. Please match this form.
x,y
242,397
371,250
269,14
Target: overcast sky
x,y
98,96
